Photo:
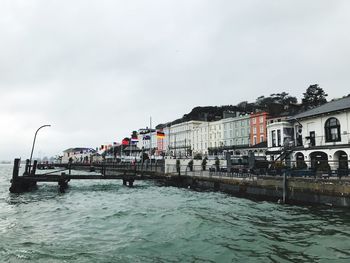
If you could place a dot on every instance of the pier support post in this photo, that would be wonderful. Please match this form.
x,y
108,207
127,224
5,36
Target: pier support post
x,y
131,183
15,184
285,188
63,183
19,184
124,182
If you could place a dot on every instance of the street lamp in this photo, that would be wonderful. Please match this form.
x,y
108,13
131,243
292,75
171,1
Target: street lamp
x,y
31,154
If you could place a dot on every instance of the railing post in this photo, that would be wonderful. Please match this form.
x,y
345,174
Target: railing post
x,y
33,171
27,167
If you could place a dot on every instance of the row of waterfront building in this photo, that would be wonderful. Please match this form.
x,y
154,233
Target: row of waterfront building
x,y
321,133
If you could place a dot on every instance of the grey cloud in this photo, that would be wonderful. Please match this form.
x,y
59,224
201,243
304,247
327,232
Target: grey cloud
x,y
97,70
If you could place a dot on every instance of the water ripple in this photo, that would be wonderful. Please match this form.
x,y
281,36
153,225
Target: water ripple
x,y
108,222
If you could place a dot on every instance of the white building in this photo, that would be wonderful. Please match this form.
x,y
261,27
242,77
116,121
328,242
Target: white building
x,y
200,139
216,139
319,136
280,136
179,138
204,138
78,154
322,134
147,140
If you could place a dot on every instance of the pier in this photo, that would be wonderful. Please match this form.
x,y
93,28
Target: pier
x,y
62,176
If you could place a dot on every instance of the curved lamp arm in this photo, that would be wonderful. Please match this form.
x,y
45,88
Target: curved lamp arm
x,y
31,154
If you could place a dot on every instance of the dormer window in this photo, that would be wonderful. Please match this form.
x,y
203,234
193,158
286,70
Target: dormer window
x,y
332,130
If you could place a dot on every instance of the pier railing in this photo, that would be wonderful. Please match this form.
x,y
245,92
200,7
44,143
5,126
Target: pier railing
x,y
330,169
244,172
113,167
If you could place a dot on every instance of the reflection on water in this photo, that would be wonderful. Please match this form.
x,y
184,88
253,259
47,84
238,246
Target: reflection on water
x,y
107,222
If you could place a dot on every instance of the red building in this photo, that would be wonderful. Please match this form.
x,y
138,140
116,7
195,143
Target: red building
x,y
258,123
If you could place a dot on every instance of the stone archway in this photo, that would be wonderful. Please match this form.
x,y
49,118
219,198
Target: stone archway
x,y
319,160
341,160
300,160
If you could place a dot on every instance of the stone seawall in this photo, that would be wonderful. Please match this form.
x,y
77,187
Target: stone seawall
x,y
332,192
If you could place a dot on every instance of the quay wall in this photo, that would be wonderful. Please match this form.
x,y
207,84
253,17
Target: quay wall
x,y
308,190
298,190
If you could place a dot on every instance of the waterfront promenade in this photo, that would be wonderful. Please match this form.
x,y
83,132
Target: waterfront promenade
x,y
284,188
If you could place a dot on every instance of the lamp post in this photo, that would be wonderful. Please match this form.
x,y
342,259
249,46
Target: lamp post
x,y
31,154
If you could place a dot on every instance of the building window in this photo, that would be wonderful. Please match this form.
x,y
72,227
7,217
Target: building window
x,y
254,130
261,128
254,140
242,132
261,138
332,130
273,136
254,120
279,137
261,119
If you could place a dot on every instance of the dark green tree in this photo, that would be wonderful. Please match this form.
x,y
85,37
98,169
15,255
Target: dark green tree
x,y
313,97
283,98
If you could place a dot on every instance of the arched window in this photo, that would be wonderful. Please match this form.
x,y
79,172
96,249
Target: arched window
x,y
332,130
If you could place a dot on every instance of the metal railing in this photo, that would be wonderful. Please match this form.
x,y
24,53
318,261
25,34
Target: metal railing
x,y
316,169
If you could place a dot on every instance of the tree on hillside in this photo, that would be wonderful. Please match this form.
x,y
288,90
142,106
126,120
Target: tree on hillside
x,y
244,106
284,98
313,97
276,102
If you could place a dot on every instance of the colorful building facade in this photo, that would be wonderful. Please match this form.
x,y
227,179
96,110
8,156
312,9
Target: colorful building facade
x,y
258,124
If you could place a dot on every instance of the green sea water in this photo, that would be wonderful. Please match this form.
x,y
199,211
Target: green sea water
x,y
98,221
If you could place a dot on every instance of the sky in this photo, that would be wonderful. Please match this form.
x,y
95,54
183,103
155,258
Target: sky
x,y
95,69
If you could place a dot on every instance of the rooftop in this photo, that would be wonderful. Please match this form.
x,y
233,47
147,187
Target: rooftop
x,y
79,149
332,106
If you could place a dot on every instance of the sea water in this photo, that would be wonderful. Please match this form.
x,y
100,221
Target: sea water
x,y
104,221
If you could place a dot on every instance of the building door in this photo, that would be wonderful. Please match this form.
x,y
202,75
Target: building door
x,y
319,160
343,163
312,138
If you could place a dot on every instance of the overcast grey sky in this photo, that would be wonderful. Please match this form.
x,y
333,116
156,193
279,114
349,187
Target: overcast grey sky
x,y
96,70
